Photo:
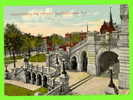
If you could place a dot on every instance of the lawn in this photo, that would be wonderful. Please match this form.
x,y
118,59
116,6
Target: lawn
x,y
13,90
9,60
38,58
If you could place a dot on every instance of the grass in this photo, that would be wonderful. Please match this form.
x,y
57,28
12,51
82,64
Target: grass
x,y
38,58
13,90
9,60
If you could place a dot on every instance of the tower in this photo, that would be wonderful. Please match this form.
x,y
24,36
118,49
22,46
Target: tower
x,y
123,48
111,19
87,27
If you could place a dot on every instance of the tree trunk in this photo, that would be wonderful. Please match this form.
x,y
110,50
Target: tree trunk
x,y
14,58
10,52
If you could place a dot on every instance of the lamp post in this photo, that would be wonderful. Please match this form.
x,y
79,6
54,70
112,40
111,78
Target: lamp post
x,y
112,89
111,83
57,62
64,70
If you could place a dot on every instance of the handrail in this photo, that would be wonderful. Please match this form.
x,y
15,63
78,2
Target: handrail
x,y
79,44
53,91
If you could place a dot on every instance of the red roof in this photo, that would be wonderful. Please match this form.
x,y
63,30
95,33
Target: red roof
x,y
107,27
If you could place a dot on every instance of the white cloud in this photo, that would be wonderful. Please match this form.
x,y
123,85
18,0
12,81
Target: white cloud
x,y
45,29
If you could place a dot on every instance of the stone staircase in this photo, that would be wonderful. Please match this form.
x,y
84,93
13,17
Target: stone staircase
x,y
78,46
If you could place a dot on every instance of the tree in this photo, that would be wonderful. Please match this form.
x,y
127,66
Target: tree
x,y
12,40
75,38
28,43
57,40
39,42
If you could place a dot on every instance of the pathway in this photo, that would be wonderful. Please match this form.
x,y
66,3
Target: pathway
x,y
96,85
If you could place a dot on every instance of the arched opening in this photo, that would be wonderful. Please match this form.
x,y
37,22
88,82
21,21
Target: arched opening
x,y
84,61
33,78
74,63
106,60
44,81
28,77
39,79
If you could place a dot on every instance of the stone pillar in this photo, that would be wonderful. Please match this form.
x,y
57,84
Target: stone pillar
x,y
31,78
42,81
91,55
47,61
123,47
64,81
79,63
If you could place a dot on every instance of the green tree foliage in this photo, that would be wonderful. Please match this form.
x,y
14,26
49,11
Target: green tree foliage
x,y
16,42
38,42
12,40
56,40
75,37
29,42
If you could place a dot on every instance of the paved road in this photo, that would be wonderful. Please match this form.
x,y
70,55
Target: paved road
x,y
96,85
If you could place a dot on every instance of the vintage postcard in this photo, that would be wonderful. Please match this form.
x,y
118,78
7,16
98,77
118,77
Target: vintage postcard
x,y
66,50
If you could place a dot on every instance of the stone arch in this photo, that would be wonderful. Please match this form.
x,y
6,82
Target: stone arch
x,y
105,59
33,78
84,61
39,79
74,63
28,77
44,81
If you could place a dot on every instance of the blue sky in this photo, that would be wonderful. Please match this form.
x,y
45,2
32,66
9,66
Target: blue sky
x,y
47,20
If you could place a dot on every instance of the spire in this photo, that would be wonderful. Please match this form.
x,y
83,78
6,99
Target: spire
x,y
87,27
111,20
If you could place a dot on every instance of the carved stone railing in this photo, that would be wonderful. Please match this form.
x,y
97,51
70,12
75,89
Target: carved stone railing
x,y
44,70
55,91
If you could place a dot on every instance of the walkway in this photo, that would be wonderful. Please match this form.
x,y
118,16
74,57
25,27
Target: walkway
x,y
96,85
76,76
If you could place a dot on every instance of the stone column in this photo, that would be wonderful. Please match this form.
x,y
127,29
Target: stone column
x,y
91,55
42,82
31,78
79,65
124,48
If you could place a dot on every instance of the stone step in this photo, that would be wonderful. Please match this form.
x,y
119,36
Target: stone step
x,y
123,55
122,66
124,48
125,68
124,60
124,71
125,52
